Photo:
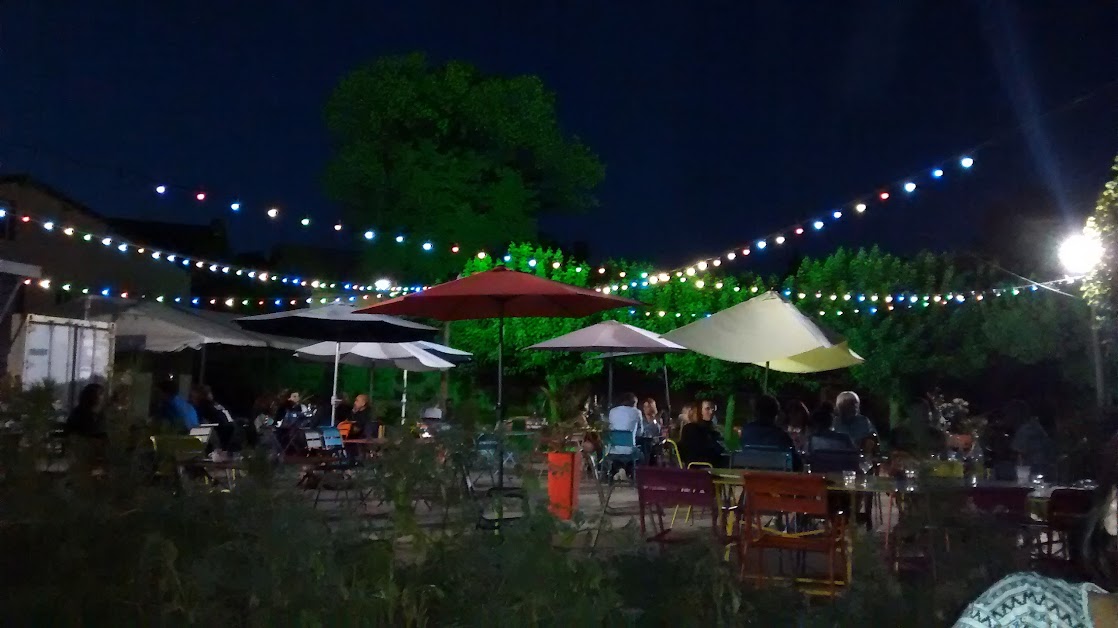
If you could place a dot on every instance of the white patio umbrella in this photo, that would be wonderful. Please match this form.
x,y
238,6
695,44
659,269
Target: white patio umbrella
x,y
337,324
614,339
421,356
767,331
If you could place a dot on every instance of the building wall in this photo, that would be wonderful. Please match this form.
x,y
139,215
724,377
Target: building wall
x,y
70,259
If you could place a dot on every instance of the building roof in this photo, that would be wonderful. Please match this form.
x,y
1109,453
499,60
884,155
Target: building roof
x,y
27,180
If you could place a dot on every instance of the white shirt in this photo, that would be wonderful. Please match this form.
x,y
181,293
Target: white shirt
x,y
625,419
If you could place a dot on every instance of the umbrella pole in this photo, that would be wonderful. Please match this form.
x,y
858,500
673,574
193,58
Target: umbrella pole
x,y
667,391
334,394
609,384
765,382
202,365
500,414
404,400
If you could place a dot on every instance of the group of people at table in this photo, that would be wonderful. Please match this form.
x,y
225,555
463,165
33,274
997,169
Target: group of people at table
x,y
841,427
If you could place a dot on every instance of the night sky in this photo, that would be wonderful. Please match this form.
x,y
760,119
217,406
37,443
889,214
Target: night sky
x,y
717,121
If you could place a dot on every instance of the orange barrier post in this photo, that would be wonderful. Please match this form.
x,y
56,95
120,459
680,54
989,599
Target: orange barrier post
x,y
563,478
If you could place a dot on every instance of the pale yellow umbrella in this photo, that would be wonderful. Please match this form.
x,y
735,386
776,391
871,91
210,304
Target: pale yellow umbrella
x,y
767,331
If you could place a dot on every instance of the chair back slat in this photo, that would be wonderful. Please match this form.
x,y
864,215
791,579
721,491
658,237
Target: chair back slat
x,y
314,439
773,492
833,461
762,458
1069,503
621,438
345,427
331,438
1000,499
675,487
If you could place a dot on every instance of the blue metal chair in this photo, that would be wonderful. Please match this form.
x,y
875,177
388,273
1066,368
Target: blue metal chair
x,y
762,458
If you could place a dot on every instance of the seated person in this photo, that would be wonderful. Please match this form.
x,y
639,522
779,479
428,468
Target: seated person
x,y
624,417
700,441
822,437
764,432
174,410
850,421
227,435
361,415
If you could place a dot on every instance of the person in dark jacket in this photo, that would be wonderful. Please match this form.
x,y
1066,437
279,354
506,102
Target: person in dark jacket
x,y
87,419
763,431
700,441
364,424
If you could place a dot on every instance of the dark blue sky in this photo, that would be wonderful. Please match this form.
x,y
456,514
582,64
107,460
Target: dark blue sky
x,y
717,121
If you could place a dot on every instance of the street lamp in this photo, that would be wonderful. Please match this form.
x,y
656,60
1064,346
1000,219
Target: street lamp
x,y
1080,253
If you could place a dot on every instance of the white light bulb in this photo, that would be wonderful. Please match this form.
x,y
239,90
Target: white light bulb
x,y
305,222
1080,253
160,189
910,187
780,239
49,226
235,207
338,227
273,212
427,246
818,224
399,239
966,162
860,207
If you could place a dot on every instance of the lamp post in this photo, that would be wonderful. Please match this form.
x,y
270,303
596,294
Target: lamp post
x,y
1080,254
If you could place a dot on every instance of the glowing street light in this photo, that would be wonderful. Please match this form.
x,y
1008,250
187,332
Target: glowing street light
x,y
1080,253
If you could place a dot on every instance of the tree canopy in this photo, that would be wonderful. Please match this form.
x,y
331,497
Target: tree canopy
x,y
448,154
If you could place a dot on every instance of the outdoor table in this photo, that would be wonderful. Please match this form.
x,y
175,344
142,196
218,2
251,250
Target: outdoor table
x,y
230,468
364,446
891,487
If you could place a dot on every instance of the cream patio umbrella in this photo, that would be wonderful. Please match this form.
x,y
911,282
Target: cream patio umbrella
x,y
767,331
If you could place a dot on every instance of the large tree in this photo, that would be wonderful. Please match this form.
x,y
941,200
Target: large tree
x,y
447,154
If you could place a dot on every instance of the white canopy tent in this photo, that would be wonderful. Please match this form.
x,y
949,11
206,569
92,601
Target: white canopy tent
x,y
767,331
166,328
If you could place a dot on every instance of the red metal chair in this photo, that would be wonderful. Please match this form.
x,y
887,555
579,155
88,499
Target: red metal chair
x,y
661,488
1067,509
775,493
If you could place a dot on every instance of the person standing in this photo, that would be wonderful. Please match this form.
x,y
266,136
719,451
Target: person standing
x,y
87,418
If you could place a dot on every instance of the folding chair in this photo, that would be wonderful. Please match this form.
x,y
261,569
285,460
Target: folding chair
x,y
660,488
769,493
173,454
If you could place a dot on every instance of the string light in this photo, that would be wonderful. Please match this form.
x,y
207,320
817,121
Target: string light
x,y
966,162
235,207
937,173
369,235
160,189
910,187
338,226
399,239
427,246
273,212
201,196
860,207
883,196
305,222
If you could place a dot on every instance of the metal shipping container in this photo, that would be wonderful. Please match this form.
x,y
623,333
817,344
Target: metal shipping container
x,y
68,352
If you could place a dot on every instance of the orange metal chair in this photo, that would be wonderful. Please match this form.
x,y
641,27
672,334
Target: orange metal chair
x,y
774,493
344,428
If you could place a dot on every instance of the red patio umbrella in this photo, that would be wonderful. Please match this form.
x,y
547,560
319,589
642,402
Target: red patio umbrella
x,y
500,293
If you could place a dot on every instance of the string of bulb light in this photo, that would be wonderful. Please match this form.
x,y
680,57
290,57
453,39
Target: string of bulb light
x,y
160,255
854,207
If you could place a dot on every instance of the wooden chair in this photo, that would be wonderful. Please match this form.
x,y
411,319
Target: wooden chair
x,y
770,493
659,488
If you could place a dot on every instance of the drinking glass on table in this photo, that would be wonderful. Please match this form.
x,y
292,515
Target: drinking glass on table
x,y
866,465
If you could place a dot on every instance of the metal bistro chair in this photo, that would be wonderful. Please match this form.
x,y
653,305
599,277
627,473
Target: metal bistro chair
x,y
769,493
660,488
612,456
762,458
